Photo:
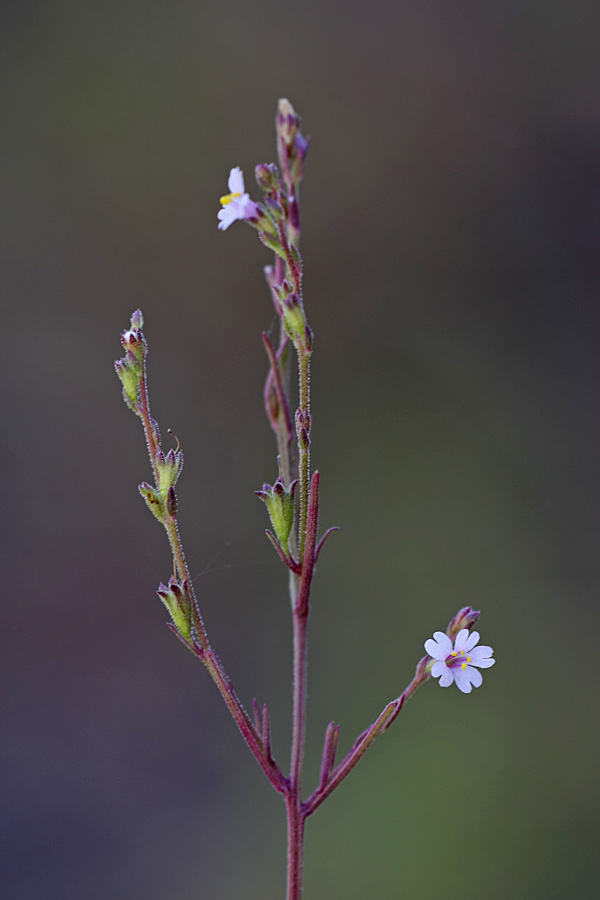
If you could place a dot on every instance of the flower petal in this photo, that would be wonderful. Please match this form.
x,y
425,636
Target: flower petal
x,y
481,663
461,639
483,652
462,681
226,216
465,641
438,668
471,641
447,678
236,181
474,676
443,642
434,650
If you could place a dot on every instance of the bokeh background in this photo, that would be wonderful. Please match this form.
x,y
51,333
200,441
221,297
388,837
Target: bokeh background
x,y
451,226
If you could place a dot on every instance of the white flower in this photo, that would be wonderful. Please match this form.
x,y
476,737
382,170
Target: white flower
x,y
237,204
456,663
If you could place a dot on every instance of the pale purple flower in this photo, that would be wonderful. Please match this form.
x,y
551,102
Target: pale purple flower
x,y
236,204
457,662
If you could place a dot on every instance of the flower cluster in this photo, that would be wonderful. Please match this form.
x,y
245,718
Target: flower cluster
x,y
456,662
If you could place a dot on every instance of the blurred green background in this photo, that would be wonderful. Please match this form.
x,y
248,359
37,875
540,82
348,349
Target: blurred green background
x,y
451,226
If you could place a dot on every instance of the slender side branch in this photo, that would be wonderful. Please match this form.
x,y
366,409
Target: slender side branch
x,y
362,744
198,642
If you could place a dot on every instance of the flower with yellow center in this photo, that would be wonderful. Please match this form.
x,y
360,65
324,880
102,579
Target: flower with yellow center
x,y
237,203
456,662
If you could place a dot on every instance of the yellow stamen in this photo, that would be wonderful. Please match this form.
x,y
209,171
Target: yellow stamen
x,y
454,654
464,666
228,198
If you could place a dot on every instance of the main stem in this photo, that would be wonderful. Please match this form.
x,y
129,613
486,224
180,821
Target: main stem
x,y
299,591
295,814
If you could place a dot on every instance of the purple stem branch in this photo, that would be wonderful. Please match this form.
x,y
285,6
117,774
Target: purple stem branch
x,y
290,563
324,538
364,741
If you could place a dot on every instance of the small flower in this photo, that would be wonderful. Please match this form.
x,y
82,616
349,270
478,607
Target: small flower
x,y
456,663
237,204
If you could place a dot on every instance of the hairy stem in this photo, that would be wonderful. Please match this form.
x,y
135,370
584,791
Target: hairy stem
x,y
303,423
201,645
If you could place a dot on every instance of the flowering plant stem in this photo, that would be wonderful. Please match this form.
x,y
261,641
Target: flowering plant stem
x,y
278,223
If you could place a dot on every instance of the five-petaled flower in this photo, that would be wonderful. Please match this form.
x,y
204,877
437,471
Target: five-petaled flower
x,y
457,662
236,204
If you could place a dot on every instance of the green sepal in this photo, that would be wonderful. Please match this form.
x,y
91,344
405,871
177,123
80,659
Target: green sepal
x,y
294,318
169,467
272,243
176,598
280,506
129,379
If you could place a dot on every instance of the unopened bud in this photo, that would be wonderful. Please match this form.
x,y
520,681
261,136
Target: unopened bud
x,y
137,320
464,618
292,144
267,178
171,502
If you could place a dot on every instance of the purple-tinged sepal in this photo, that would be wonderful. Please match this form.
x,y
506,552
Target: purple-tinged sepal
x,y
169,467
464,618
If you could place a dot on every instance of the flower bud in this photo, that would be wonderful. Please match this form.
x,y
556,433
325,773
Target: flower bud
x,y
267,178
137,320
292,144
287,122
464,618
280,506
171,502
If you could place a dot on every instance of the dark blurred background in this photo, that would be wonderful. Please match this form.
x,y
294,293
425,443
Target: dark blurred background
x,y
451,225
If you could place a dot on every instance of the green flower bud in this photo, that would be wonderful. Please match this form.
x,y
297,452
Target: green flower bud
x,y
280,506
